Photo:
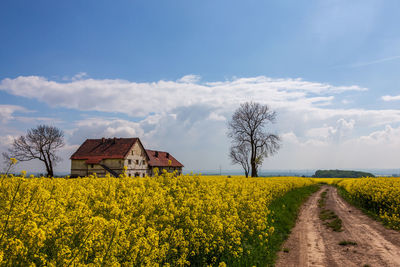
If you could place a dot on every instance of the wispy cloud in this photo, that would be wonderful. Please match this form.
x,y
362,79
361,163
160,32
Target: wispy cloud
x,y
373,62
390,98
7,111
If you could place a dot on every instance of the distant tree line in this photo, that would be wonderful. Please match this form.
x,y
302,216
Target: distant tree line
x,y
341,174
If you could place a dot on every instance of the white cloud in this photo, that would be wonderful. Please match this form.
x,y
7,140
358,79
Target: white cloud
x,y
191,78
377,149
79,76
188,118
216,117
141,99
6,140
387,136
7,111
390,98
333,134
97,127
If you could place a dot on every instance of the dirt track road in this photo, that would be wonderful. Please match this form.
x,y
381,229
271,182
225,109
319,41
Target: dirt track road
x,y
312,244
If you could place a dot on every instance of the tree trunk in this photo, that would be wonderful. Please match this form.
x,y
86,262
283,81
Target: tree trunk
x,y
253,158
253,168
49,165
50,172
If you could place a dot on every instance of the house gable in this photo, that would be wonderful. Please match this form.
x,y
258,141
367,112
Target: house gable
x,y
136,160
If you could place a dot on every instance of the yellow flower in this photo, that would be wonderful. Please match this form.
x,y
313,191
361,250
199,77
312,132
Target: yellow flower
x,y
151,220
13,161
23,173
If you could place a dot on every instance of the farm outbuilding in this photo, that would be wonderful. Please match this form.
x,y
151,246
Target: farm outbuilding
x,y
112,155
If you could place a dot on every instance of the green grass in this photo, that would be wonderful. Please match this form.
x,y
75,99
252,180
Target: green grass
x,y
329,217
322,200
285,210
347,243
336,225
372,213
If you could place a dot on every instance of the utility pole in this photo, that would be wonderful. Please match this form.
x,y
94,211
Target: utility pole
x,y
220,170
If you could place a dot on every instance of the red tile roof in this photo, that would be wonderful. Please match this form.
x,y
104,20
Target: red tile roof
x,y
94,150
162,159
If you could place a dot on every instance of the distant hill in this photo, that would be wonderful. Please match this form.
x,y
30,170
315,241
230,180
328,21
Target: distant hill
x,y
341,174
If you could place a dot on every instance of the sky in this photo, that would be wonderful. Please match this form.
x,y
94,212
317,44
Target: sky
x,y
173,72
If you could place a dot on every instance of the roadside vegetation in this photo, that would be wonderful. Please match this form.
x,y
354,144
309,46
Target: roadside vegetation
x,y
377,197
284,213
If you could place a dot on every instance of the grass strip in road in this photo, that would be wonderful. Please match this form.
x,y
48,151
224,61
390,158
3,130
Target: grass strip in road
x,y
347,243
329,217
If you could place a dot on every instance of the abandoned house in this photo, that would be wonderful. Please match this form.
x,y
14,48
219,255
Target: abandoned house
x,y
112,155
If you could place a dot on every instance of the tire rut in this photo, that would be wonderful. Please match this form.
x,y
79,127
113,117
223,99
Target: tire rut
x,y
312,244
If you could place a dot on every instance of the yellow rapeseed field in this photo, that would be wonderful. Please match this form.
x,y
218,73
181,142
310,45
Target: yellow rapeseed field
x,y
380,195
163,220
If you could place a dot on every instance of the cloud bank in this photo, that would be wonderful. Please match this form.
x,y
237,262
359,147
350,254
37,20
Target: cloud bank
x,y
141,99
188,118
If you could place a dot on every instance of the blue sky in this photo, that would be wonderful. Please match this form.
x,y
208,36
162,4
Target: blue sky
x,y
172,72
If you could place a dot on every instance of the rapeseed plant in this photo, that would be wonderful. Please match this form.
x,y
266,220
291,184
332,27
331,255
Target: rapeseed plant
x,y
162,220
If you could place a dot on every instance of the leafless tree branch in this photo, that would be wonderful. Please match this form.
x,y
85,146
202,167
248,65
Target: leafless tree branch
x,y
39,143
248,129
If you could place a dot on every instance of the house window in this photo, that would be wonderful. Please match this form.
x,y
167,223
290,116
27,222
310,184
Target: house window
x,y
129,161
91,166
129,175
137,161
144,162
137,174
144,175
132,152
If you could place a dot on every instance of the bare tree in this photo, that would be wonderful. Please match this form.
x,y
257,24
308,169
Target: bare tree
x,y
248,131
39,143
240,155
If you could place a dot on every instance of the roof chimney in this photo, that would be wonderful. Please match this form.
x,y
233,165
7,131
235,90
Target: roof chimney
x,y
156,154
103,140
115,140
